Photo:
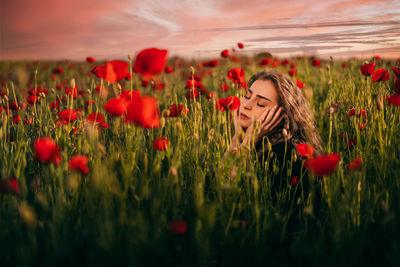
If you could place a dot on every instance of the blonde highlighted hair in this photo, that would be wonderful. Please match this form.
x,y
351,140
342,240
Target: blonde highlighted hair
x,y
298,118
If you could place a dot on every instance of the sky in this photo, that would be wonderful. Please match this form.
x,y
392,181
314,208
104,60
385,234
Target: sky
x,y
104,29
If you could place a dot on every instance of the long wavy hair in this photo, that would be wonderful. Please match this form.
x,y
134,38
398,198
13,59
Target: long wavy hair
x,y
298,118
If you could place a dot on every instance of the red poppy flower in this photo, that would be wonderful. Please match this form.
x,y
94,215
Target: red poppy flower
x,y
323,165
393,100
72,92
191,94
356,165
103,125
231,103
305,150
225,53
28,121
212,63
240,45
46,149
352,112
157,86
90,59
68,115
160,143
58,70
195,84
168,69
299,84
10,186
95,118
396,84
293,65
236,75
211,95
143,110
361,126
316,63
150,62
294,180
175,111
350,144
224,87
377,57
32,99
178,227
380,75
292,72
265,61
17,119
367,69
285,62
54,105
113,71
79,163
344,64
116,107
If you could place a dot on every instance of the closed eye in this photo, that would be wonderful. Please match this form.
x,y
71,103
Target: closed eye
x,y
260,105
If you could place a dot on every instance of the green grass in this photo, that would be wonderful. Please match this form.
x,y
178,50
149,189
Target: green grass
x,y
119,213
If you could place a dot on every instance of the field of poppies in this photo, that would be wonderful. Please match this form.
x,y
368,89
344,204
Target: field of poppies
x,y
122,162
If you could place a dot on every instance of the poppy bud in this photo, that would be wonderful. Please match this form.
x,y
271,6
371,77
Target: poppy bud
x,y
179,126
379,103
173,171
72,83
284,132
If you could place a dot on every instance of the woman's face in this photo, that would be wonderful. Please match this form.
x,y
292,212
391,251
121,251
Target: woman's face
x,y
261,95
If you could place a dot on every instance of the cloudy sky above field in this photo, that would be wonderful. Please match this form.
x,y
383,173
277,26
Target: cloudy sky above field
x,y
74,29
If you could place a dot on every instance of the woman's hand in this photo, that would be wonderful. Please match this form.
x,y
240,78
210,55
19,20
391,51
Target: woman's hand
x,y
267,122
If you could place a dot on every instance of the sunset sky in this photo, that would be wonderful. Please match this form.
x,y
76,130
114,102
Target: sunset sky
x,y
104,29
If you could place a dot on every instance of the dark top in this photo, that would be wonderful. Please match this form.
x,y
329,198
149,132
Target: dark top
x,y
280,167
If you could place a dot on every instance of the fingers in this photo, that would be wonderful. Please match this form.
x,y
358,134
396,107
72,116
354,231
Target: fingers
x,y
273,119
271,114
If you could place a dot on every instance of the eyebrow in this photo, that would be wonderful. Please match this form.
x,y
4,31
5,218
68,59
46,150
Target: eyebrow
x,y
260,96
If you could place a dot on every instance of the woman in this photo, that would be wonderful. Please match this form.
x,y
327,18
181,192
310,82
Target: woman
x,y
274,117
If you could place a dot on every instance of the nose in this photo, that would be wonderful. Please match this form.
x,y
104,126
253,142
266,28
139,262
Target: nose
x,y
247,105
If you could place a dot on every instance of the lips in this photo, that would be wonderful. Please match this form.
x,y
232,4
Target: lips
x,y
243,116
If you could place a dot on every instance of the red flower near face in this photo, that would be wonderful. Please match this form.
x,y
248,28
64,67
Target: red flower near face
x,y
236,75
367,69
175,111
240,45
178,227
305,150
68,115
113,71
10,186
299,84
292,72
46,150
143,111
79,163
150,62
160,143
95,118
316,63
168,69
90,59
225,53
322,165
229,103
356,165
380,75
